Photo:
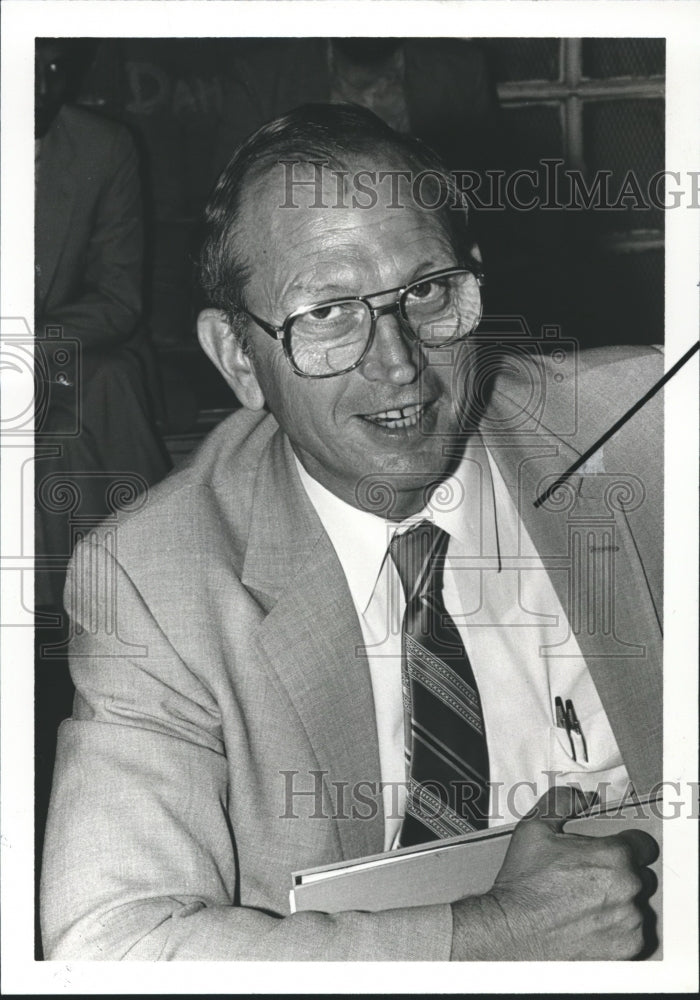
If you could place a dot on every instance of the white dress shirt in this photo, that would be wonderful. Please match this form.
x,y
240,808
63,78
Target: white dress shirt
x,y
514,630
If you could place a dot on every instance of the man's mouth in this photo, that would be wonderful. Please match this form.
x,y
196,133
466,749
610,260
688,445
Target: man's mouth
x,y
407,416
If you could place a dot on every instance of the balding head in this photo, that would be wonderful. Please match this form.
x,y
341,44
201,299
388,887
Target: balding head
x,y
326,148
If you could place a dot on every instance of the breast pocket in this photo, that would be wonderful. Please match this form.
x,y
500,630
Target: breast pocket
x,y
602,771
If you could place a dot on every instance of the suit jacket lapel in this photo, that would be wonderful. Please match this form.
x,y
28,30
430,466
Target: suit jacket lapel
x,y
56,188
313,641
587,547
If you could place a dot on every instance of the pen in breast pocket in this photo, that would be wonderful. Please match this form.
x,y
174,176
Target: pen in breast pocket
x,y
574,726
567,719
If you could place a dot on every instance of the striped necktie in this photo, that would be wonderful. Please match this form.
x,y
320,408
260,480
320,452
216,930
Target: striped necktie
x,y
446,753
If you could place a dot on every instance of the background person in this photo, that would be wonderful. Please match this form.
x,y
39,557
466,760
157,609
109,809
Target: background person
x,y
97,424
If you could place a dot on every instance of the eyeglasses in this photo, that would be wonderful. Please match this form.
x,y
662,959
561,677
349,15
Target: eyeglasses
x,y
334,336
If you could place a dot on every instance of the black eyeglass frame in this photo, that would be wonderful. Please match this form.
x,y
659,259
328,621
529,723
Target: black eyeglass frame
x,y
284,332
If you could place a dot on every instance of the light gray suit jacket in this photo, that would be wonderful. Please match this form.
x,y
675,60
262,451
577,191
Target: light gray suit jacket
x,y
218,664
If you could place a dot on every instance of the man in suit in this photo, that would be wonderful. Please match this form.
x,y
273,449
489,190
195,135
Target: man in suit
x,y
251,693
94,423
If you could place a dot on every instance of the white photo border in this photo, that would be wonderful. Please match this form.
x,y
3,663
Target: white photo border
x,y
678,22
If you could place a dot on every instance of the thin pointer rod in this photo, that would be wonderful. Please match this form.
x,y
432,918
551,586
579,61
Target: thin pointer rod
x,y
617,425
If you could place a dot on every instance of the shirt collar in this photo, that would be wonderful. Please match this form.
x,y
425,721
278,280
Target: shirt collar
x,y
360,538
462,505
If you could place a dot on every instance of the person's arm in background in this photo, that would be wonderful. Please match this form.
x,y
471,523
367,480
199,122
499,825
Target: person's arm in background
x,y
140,860
103,305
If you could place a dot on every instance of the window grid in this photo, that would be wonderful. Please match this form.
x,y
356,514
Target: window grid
x,y
571,92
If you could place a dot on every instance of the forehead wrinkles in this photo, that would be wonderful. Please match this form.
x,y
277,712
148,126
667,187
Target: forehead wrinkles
x,y
267,219
369,182
290,246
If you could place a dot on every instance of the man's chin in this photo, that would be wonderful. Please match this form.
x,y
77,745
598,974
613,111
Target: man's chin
x,y
403,485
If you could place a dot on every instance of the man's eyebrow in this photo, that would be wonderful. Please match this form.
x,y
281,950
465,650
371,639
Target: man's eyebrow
x,y
321,290
427,267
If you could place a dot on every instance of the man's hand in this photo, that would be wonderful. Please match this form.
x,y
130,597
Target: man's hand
x,y
558,895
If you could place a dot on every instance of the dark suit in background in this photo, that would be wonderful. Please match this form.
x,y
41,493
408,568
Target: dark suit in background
x,y
96,444
96,431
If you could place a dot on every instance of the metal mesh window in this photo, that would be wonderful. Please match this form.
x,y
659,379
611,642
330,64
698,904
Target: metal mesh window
x,y
614,57
598,103
626,137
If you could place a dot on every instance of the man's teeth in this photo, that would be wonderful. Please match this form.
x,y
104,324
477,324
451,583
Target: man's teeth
x,y
406,417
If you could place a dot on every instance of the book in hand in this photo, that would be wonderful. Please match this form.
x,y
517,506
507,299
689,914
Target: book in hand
x,y
444,871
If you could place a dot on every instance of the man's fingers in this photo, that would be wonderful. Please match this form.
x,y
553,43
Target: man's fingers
x,y
559,804
650,883
644,848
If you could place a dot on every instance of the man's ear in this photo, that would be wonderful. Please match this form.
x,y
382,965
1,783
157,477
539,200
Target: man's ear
x,y
223,348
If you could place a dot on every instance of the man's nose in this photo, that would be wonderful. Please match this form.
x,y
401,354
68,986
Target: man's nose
x,y
393,356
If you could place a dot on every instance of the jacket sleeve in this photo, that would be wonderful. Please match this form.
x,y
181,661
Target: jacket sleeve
x,y
106,304
139,858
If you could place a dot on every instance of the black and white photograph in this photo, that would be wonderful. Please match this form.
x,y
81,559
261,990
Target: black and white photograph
x,y
349,497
